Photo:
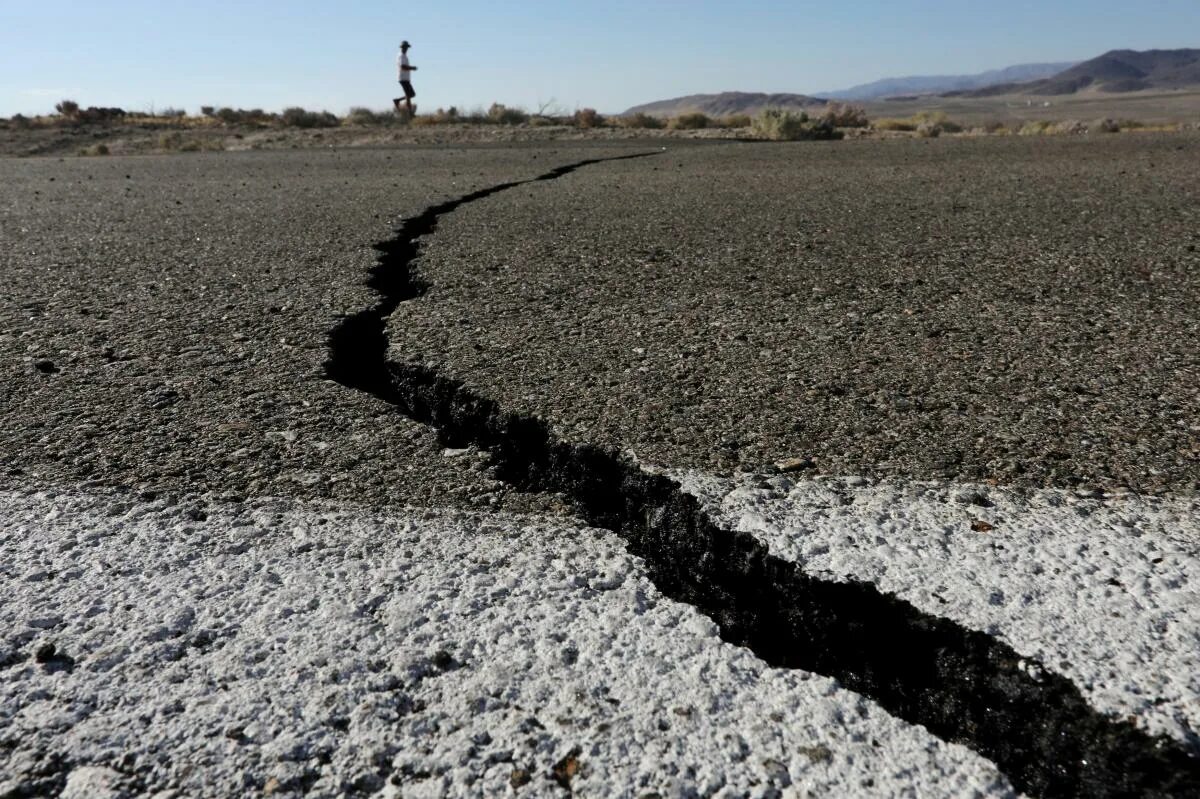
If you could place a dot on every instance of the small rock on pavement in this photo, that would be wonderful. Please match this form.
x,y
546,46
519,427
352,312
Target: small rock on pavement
x,y
795,464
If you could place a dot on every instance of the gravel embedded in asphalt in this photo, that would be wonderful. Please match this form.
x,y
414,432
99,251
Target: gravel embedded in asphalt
x,y
1015,310
290,648
164,320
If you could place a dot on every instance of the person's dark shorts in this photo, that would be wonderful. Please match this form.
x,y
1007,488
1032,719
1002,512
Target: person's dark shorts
x,y
409,92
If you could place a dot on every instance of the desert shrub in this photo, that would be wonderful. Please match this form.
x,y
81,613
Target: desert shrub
x,y
207,110
100,115
588,118
297,117
19,121
844,115
170,141
928,130
1070,127
641,120
935,119
241,116
172,113
779,125
893,124
734,121
95,149
67,108
690,121
994,126
1038,127
501,114
547,121
365,117
442,116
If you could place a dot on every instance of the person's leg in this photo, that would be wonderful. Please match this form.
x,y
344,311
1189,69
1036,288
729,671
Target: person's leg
x,y
409,93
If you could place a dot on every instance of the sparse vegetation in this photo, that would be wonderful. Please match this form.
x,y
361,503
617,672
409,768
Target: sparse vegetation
x,y
692,121
588,118
95,149
777,124
301,118
365,117
926,124
503,115
640,120
843,115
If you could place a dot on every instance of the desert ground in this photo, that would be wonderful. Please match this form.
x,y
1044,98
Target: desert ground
x,y
621,467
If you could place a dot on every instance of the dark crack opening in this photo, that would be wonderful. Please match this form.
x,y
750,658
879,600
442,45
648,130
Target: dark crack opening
x,y
964,686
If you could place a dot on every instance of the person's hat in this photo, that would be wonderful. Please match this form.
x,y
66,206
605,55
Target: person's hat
x,y
405,43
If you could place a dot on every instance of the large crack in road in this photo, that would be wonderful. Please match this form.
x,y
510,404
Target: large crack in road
x,y
963,685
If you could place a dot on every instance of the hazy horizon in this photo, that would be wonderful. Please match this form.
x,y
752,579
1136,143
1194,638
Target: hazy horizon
x,y
140,55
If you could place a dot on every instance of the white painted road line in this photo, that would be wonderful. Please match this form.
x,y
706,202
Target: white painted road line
x,y
1100,590
215,649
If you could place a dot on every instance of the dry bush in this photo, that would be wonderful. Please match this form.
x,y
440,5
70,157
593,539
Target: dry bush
x,y
296,117
588,118
501,114
1069,127
240,116
1105,126
365,117
641,120
928,130
776,124
95,149
691,121
734,121
67,108
20,122
844,115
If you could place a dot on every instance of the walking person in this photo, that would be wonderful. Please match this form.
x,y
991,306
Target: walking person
x,y
406,70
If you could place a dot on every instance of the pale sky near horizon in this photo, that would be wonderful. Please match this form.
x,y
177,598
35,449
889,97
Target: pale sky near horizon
x,y
139,54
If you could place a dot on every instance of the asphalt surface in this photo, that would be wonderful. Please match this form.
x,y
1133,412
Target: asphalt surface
x,y
1016,310
282,648
164,320
1019,312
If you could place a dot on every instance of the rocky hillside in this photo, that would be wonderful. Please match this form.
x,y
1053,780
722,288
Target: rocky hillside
x,y
726,103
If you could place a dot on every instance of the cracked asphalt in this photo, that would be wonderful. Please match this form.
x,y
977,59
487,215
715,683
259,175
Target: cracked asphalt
x,y
1016,311
1013,310
164,321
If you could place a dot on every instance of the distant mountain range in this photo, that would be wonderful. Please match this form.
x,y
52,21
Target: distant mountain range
x,y
938,84
726,103
1115,71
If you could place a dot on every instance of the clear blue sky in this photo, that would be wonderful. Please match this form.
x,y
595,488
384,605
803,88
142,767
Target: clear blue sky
x,y
608,55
